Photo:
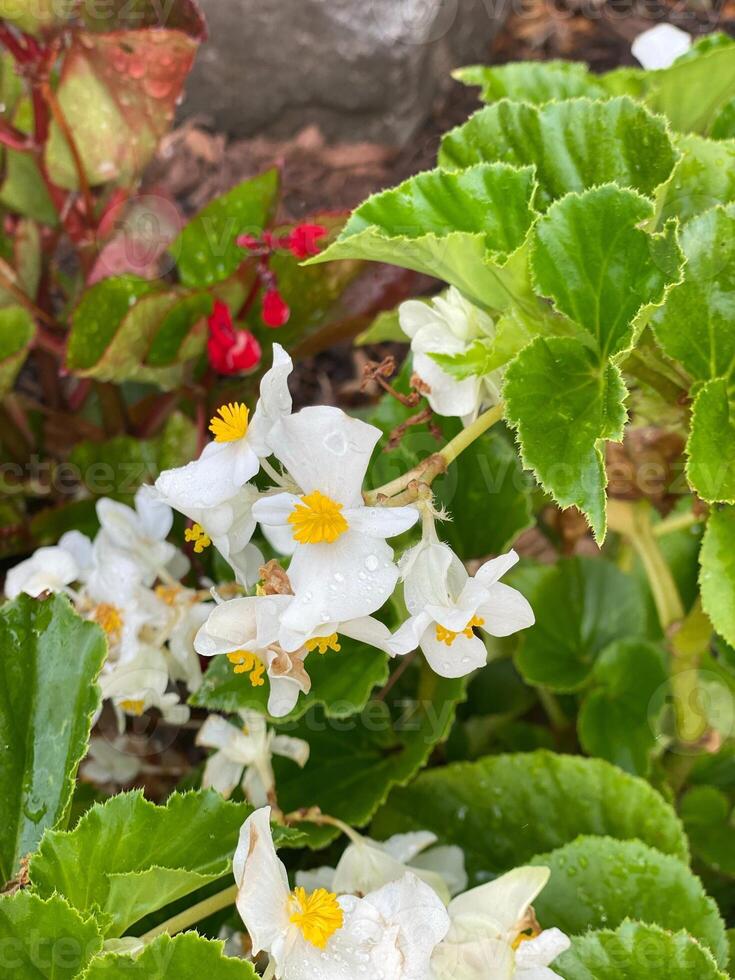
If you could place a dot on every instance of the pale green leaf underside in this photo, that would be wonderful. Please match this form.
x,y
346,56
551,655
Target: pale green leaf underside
x,y
187,956
503,809
44,939
49,661
717,572
591,257
574,145
459,227
598,882
564,405
637,950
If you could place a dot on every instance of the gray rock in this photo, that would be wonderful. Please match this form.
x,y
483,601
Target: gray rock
x,y
359,69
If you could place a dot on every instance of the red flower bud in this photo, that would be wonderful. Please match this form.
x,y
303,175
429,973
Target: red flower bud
x,y
249,242
302,242
230,351
275,309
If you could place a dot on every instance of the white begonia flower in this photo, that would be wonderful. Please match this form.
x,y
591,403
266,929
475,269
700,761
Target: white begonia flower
x,y
52,569
142,683
487,932
107,762
447,605
367,865
140,533
342,568
389,934
183,615
47,570
246,631
213,491
247,750
660,46
450,324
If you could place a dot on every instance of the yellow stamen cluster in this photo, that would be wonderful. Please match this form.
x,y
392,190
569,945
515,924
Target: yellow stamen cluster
x,y
110,619
197,534
246,662
449,636
230,423
317,915
324,643
169,593
133,707
317,519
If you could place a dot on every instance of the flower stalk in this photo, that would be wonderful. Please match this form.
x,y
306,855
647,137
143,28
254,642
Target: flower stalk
x,y
190,916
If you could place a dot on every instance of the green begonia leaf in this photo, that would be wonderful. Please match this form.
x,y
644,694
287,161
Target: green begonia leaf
x,y
460,227
693,91
590,255
615,721
598,882
45,939
707,813
711,445
717,574
17,330
206,251
50,660
502,809
694,326
128,858
703,178
638,950
564,405
127,328
184,957
531,81
574,145
601,605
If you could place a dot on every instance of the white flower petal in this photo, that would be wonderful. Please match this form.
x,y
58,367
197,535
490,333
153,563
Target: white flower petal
x,y
408,636
324,449
447,395
447,861
284,694
463,656
405,847
414,315
231,626
492,571
381,522
222,774
81,549
366,629
275,509
263,892
156,517
660,46
246,564
426,569
316,878
295,749
48,570
280,538
337,582
275,402
220,472
506,611
500,905
534,955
